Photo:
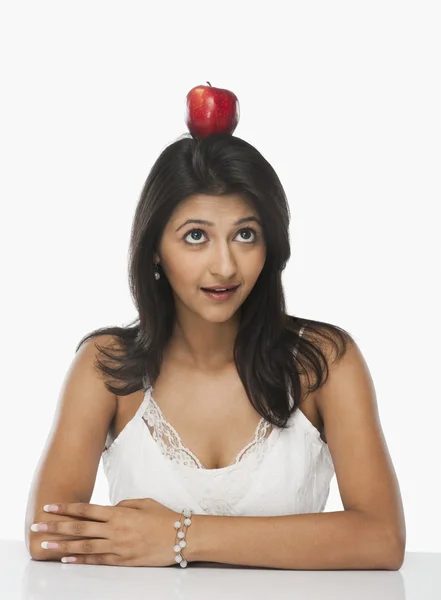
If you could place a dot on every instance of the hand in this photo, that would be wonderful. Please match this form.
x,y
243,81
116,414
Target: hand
x,y
134,533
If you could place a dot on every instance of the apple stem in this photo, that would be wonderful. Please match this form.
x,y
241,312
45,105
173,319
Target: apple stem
x,y
209,84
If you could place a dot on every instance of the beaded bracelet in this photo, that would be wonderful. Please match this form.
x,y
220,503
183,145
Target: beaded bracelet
x,y
180,536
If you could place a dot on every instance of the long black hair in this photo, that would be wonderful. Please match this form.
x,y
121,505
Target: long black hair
x,y
269,353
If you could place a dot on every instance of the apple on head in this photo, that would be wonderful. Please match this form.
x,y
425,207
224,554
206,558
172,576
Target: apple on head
x,y
211,110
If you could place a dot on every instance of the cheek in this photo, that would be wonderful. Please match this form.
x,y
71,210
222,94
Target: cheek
x,y
183,272
252,268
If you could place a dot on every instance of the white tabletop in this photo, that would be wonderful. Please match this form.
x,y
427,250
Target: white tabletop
x,y
22,578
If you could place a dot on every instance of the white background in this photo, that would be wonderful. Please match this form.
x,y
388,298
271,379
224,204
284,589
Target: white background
x,y
344,100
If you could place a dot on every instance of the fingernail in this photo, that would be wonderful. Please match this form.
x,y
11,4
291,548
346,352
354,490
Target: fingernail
x,y
50,507
69,559
39,527
49,545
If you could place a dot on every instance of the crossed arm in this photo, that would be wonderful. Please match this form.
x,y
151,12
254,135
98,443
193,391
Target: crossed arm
x,y
330,540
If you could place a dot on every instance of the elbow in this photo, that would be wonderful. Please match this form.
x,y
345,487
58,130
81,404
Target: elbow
x,y
35,551
396,553
387,544
32,546
399,558
395,562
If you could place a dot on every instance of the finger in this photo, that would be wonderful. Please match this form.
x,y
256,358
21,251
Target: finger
x,y
75,528
94,559
92,546
84,510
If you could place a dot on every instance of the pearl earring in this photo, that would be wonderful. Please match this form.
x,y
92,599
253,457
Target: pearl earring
x,y
157,274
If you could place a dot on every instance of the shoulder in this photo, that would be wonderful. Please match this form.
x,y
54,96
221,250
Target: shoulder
x,y
102,345
106,341
321,345
345,368
97,342
337,353
326,347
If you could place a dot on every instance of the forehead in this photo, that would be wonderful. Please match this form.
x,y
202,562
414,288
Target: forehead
x,y
202,204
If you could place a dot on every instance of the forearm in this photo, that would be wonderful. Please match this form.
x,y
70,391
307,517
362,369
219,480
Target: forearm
x,y
329,540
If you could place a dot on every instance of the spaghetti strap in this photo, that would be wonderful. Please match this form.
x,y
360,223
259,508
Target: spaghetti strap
x,y
142,407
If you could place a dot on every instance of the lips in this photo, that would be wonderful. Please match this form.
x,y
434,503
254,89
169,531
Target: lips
x,y
228,289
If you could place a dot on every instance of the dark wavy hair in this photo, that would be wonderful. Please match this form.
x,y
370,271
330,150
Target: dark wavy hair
x,y
269,353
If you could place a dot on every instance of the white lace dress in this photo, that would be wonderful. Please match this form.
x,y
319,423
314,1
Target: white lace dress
x,y
278,472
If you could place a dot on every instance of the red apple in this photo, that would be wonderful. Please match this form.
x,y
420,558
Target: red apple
x,y
211,110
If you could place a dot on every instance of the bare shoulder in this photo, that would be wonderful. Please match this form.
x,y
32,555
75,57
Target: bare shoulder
x,y
328,352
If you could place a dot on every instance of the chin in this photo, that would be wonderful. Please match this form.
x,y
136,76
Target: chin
x,y
220,317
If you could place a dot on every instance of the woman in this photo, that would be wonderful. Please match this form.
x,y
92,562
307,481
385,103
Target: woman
x,y
221,404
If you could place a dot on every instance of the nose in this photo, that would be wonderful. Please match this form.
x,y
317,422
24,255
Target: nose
x,y
223,264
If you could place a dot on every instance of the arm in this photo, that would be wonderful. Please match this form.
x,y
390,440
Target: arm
x,y
369,534
67,469
329,540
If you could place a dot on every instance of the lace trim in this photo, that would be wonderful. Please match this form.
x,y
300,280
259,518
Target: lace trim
x,y
171,446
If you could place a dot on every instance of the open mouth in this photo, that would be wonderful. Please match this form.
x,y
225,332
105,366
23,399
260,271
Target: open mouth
x,y
226,295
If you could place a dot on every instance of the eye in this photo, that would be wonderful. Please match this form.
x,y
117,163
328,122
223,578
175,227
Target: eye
x,y
253,240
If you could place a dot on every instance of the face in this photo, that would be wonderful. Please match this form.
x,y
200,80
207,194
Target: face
x,y
195,255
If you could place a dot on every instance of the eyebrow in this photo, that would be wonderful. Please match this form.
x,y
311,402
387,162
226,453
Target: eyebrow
x,y
210,224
